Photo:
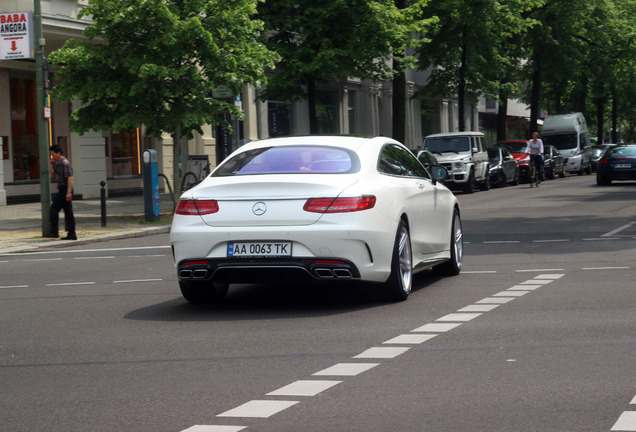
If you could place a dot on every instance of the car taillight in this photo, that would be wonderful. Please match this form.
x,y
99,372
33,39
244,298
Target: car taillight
x,y
339,205
197,207
603,162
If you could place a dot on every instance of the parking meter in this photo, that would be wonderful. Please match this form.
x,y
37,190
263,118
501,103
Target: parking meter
x,y
151,185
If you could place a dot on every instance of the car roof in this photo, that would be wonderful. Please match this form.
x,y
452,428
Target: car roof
x,y
451,134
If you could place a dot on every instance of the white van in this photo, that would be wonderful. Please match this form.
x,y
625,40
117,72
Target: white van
x,y
569,134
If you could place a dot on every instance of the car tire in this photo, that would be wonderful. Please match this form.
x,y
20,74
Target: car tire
x,y
203,292
562,173
400,281
453,266
470,185
516,180
485,185
550,174
603,181
502,181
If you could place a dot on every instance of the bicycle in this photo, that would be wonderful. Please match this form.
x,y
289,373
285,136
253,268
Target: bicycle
x,y
535,170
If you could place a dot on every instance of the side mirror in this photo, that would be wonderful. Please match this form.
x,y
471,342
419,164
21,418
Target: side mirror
x,y
475,150
438,173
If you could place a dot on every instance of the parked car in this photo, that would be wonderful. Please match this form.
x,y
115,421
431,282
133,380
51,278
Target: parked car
x,y
553,162
519,150
427,158
597,152
618,163
503,167
465,157
319,208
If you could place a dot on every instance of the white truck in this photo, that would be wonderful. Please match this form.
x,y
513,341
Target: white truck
x,y
568,133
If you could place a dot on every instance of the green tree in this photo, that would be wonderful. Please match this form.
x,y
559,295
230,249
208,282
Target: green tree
x,y
331,40
156,62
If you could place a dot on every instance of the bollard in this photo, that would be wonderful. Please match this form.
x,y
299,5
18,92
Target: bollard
x,y
103,201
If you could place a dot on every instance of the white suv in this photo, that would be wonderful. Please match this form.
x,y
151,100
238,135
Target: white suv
x,y
465,157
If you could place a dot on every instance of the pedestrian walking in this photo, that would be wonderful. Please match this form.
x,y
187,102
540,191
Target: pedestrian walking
x,y
62,170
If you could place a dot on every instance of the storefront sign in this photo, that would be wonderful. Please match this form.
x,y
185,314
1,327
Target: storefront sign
x,y
16,36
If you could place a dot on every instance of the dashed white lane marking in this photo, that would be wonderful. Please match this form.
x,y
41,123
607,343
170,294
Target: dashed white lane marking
x,y
381,352
601,239
94,257
346,369
462,317
304,388
137,280
70,283
510,293
524,287
605,268
267,408
626,422
551,276
498,300
42,259
480,272
13,286
203,428
436,328
478,308
551,241
502,242
410,339
258,408
539,270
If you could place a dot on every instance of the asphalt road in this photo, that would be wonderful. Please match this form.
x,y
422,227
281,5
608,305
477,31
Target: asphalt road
x,y
538,333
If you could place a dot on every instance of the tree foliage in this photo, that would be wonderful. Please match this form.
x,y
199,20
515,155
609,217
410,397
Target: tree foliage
x,y
156,62
335,39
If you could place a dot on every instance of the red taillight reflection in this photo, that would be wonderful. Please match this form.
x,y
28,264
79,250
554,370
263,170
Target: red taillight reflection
x,y
339,205
197,207
603,162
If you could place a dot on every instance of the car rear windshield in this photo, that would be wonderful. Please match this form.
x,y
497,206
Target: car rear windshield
x,y
493,154
622,151
515,147
290,160
561,142
447,144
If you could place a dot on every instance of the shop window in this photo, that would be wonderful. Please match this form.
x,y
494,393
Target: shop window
x,y
124,147
24,129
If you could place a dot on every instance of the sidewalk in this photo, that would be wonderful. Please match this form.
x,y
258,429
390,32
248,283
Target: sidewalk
x,y
21,224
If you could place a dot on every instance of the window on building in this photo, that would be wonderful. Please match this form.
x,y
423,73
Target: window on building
x,y
24,127
351,107
327,111
278,119
430,117
124,146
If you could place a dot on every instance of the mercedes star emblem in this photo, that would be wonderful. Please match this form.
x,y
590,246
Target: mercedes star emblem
x,y
259,208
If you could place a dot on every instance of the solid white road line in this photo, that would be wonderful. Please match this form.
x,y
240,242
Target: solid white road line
x,y
304,388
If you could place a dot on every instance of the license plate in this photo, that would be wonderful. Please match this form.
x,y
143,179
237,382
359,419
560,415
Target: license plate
x,y
623,166
259,249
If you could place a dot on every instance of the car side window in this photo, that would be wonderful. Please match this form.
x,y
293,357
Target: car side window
x,y
395,160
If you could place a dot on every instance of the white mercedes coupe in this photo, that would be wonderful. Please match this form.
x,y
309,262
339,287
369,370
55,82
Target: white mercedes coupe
x,y
319,208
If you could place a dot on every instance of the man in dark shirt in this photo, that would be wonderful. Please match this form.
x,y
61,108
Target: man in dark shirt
x,y
63,171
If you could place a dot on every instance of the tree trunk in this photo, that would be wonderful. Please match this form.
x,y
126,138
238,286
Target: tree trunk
x,y
399,107
502,115
534,97
176,158
614,136
461,92
311,101
600,109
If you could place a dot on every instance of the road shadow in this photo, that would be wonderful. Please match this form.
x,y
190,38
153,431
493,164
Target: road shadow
x,y
280,301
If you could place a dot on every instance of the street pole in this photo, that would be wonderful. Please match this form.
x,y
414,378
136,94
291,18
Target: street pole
x,y
43,128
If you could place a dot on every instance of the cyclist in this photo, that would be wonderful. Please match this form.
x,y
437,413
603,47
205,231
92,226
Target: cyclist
x,y
535,148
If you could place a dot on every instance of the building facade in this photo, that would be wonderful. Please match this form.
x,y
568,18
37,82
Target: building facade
x,y
349,107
